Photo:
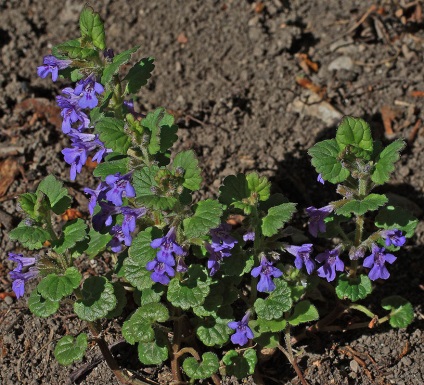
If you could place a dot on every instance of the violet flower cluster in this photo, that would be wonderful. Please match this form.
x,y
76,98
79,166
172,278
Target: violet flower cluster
x,y
23,272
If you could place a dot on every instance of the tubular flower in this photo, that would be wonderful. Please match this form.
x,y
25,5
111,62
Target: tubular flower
x,y
87,89
119,186
332,262
167,247
221,237
376,262
20,277
243,332
266,271
303,256
316,218
52,65
394,237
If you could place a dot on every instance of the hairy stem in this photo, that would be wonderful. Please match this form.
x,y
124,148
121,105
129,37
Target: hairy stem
x,y
175,348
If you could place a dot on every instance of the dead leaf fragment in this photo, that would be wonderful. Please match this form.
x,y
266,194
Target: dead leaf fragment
x,y
417,94
182,38
9,168
388,115
306,63
71,214
306,83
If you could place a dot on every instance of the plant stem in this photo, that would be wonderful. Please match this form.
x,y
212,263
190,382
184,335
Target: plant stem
x,y
176,374
363,309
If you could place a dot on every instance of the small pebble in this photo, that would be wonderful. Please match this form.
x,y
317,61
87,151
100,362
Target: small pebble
x,y
354,366
406,361
341,63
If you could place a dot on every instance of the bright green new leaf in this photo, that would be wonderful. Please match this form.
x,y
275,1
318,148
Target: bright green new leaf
x,y
54,287
353,288
56,193
154,352
239,365
97,301
40,306
385,162
139,74
391,217
401,311
187,161
278,302
113,135
73,232
201,370
31,237
119,60
91,26
326,162
355,133
359,207
258,185
207,216
69,350
303,312
276,218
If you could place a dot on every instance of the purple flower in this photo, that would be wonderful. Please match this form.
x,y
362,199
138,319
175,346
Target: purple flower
x,y
316,218
249,235
266,271
87,89
221,237
161,271
394,237
181,265
303,256
356,253
243,332
119,185
76,157
96,195
332,262
104,216
71,112
215,258
320,179
130,217
18,276
22,261
118,237
52,65
167,247
376,262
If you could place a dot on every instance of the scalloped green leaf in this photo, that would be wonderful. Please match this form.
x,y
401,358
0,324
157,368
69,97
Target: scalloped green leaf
x,y
91,26
69,350
201,370
355,133
97,243
385,162
239,365
113,68
258,185
56,193
214,332
27,202
353,288
207,216
31,237
234,189
192,291
154,352
359,207
139,74
303,312
187,160
274,326
278,302
113,135
72,49
401,311
151,295
40,306
54,287
325,159
97,300
276,218
112,167
391,217
121,300
73,232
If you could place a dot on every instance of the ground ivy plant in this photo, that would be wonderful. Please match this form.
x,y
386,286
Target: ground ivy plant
x,y
212,286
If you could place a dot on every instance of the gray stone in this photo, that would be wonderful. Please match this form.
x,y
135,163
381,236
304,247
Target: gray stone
x,y
341,63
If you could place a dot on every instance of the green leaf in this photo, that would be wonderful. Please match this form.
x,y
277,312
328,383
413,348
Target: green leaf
x,y
73,232
138,328
326,162
265,340
401,311
119,60
54,287
31,237
151,295
187,161
27,202
57,194
214,332
239,365
237,265
139,74
278,302
97,299
202,370
192,291
97,243
276,218
69,350
154,352
73,50
385,162
355,133
234,189
40,306
303,312
207,216
353,288
112,167
121,300
113,135
391,217
91,25
273,326
258,185
359,207
140,253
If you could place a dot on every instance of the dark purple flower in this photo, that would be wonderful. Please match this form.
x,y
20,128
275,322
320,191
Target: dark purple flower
x,y
394,237
117,238
119,185
303,256
320,179
130,216
243,332
181,265
161,271
71,112
105,216
52,65
376,262
87,89
97,194
167,247
20,277
332,262
215,258
266,271
316,218
221,237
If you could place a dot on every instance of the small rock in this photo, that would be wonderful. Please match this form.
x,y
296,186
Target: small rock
x,y
404,171
341,63
354,366
406,361
8,300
